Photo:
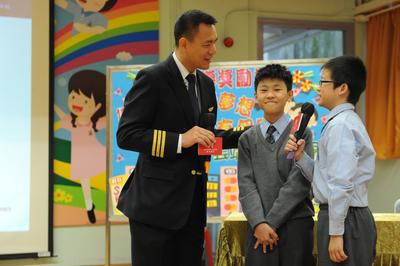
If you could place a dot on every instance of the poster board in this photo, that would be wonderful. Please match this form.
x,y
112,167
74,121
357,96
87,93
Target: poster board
x,y
234,87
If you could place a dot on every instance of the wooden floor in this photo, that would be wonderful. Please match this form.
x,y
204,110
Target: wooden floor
x,y
43,262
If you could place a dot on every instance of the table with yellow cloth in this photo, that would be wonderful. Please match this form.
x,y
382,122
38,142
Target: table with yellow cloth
x,y
232,239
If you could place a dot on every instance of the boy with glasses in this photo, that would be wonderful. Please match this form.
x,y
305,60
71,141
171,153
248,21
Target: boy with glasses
x,y
343,168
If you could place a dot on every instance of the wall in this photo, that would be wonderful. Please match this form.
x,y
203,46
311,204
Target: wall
x,y
238,19
384,188
83,246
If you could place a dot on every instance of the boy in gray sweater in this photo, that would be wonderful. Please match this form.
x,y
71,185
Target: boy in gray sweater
x,y
274,198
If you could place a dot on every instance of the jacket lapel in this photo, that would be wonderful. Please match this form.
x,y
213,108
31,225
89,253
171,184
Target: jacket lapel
x,y
179,88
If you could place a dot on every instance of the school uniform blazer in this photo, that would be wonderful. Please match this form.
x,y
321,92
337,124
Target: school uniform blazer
x,y
157,109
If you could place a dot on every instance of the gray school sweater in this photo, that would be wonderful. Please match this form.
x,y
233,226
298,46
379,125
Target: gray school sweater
x,y
271,188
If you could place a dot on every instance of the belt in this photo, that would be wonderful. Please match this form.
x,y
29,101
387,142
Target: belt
x,y
325,206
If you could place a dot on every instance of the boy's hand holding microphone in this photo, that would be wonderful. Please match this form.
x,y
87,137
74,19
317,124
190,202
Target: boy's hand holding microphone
x,y
295,146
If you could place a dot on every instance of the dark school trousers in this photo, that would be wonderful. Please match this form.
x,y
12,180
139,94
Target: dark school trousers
x,y
359,239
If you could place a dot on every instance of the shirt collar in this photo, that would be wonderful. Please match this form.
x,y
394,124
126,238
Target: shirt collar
x,y
338,109
181,67
280,124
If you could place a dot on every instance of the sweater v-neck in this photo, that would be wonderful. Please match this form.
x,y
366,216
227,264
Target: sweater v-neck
x,y
278,143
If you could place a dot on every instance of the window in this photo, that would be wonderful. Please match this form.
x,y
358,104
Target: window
x,y
280,39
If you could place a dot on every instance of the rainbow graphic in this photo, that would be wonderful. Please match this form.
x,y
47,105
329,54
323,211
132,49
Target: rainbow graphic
x,y
132,29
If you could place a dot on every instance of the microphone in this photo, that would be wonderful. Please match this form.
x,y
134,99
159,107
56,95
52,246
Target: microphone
x,y
307,110
207,121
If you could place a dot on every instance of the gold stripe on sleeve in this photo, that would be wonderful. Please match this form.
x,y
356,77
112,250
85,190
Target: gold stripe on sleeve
x,y
153,150
163,143
158,143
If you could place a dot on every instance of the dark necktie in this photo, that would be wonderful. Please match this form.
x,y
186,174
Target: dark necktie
x,y
191,78
269,138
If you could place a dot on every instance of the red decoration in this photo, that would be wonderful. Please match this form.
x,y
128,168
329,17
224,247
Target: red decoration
x,y
228,42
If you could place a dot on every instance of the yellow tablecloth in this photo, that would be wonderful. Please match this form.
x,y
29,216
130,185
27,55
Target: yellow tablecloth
x,y
232,238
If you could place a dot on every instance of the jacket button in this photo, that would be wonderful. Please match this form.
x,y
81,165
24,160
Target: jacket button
x,y
193,172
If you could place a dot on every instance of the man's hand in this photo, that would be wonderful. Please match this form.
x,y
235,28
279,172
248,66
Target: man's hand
x,y
198,135
266,236
335,249
295,146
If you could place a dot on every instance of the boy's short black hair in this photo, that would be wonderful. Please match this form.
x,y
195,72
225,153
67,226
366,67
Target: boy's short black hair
x,y
274,71
188,24
350,70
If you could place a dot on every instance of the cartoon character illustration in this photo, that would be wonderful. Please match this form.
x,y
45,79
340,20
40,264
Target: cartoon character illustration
x,y
289,106
87,16
86,103
293,109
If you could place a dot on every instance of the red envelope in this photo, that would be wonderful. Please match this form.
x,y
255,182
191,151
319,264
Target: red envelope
x,y
216,149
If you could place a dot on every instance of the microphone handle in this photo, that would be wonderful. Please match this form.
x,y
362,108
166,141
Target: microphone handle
x,y
297,135
290,155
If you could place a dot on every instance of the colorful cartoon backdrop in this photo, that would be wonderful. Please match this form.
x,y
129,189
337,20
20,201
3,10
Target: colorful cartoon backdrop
x,y
89,35
234,85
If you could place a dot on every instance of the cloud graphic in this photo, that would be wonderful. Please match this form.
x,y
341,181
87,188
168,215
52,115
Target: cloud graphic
x,y
124,56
